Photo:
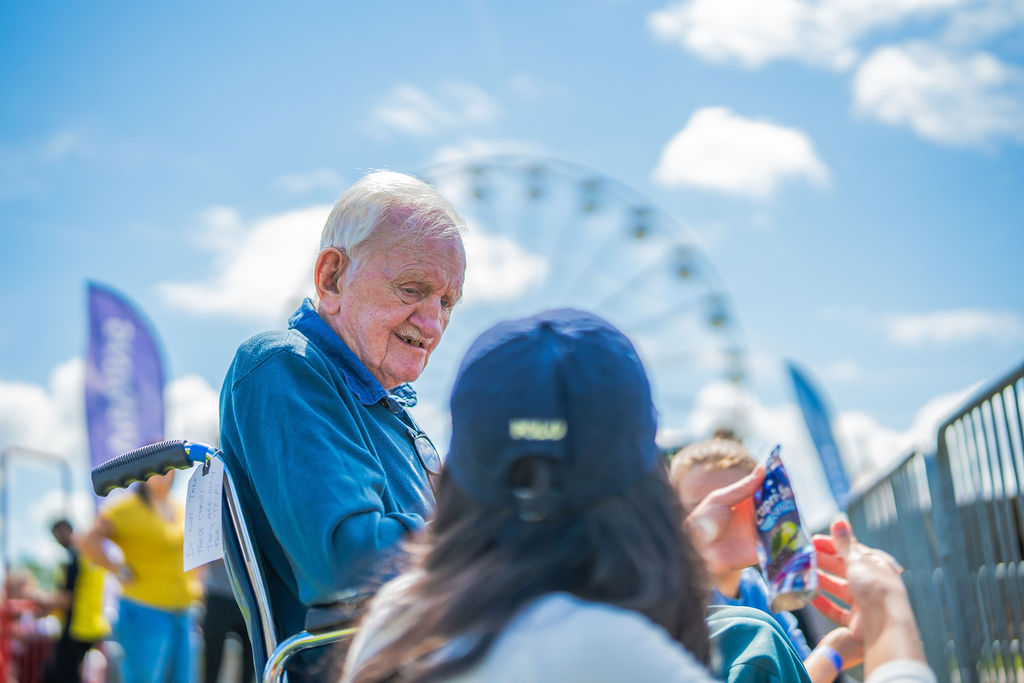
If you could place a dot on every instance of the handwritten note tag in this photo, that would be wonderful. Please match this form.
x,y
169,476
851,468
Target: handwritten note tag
x,y
202,515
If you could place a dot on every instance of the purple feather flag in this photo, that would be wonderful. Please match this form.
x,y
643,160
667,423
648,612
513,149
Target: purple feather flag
x,y
124,378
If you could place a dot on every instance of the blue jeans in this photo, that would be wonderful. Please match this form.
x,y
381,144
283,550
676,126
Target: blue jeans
x,y
158,644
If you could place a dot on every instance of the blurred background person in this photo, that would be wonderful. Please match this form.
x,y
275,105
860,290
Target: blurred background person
x,y
155,621
79,599
28,635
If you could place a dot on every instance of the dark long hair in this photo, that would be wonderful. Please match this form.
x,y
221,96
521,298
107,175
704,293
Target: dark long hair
x,y
479,565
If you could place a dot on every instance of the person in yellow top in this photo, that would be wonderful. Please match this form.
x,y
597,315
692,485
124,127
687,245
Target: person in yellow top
x,y
155,622
80,599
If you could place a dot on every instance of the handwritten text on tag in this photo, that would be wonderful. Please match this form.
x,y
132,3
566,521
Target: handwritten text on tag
x,y
202,515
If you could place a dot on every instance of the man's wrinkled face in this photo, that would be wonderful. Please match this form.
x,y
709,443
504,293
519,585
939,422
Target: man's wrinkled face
x,y
396,302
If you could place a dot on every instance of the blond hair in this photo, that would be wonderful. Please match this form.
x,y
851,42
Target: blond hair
x,y
716,454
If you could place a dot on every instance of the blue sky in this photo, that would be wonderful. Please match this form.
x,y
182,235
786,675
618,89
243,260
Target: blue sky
x,y
851,173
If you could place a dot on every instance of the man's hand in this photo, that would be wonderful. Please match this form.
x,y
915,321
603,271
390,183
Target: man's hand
x,y
722,525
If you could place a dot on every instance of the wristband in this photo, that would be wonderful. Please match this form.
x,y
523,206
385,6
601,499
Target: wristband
x,y
832,655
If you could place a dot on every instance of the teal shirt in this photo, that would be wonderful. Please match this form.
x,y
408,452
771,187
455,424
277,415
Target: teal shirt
x,y
324,463
754,593
749,646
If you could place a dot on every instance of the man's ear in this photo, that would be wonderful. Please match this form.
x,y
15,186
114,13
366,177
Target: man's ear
x,y
328,275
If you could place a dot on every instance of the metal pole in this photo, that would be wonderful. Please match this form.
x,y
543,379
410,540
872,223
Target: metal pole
x,y
5,456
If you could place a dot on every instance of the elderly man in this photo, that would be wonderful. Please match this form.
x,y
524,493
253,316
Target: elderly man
x,y
336,471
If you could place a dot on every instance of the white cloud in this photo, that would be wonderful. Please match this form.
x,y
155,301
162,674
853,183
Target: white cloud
x,y
763,426
529,87
218,229
924,427
192,410
477,147
18,403
868,446
48,418
982,20
256,274
720,150
498,269
872,448
752,33
749,32
24,169
939,83
262,270
413,111
944,97
323,179
954,326
51,418
63,144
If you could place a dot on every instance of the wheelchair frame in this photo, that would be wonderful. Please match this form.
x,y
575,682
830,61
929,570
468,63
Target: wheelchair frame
x,y
247,581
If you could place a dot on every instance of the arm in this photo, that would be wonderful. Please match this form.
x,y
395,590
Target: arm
x,y
820,666
311,465
847,645
880,612
723,530
61,598
93,546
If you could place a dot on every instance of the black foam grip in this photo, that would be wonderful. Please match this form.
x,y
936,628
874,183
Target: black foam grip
x,y
139,465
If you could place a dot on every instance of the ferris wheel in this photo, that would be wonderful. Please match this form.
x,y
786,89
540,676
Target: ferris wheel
x,y
548,234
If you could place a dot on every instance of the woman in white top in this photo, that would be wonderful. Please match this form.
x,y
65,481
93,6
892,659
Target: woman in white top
x,y
558,550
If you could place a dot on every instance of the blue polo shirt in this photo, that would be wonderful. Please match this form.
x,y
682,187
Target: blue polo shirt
x,y
324,461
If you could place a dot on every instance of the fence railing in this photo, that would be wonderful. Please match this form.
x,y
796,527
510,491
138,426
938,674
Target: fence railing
x,y
955,520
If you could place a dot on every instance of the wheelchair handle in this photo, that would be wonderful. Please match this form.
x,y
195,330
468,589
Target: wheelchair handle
x,y
145,462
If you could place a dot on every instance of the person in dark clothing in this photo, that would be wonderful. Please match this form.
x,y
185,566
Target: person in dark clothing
x,y
80,597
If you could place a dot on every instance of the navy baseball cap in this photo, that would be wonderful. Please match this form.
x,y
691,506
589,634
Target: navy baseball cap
x,y
564,386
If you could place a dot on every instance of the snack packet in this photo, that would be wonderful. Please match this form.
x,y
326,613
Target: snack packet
x,y
784,550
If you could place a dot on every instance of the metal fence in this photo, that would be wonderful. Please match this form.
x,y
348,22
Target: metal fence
x,y
955,520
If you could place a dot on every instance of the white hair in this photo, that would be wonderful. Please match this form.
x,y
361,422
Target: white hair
x,y
382,196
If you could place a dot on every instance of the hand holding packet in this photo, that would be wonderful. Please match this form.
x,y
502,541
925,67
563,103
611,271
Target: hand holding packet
x,y
784,550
